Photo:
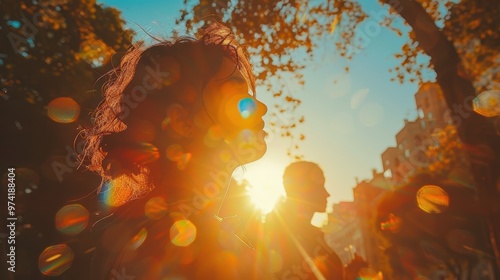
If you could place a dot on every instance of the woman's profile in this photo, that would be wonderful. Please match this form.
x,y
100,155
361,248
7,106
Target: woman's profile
x,y
176,120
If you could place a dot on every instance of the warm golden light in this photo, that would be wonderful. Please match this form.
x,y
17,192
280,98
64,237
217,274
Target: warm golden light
x,y
63,110
183,233
432,199
72,219
264,199
56,259
319,219
266,185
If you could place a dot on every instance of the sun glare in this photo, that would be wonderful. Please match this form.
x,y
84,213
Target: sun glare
x,y
264,198
266,186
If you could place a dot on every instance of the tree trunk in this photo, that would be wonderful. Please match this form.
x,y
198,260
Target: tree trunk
x,y
477,132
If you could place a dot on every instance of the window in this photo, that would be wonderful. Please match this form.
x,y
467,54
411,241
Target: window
x,y
420,113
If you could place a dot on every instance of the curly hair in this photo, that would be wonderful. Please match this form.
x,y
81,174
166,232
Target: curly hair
x,y
199,60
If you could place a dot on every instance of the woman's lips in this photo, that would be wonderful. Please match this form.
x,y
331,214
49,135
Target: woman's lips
x,y
261,126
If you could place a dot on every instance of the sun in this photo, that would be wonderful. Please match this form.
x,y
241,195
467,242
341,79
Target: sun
x,y
266,186
264,198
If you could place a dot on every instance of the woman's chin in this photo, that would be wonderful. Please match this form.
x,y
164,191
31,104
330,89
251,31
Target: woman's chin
x,y
259,153
248,145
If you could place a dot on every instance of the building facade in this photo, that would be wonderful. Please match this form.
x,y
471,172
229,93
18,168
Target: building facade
x,y
415,137
351,226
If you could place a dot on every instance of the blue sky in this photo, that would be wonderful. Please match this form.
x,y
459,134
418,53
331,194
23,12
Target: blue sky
x,y
348,123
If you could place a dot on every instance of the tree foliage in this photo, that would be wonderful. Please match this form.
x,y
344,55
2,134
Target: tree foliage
x,y
281,37
54,47
50,49
421,243
275,31
448,154
473,28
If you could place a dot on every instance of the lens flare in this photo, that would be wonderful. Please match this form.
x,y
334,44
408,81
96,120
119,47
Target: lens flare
x,y
358,97
95,52
156,208
137,240
487,103
72,219
165,124
118,191
247,107
54,260
63,110
393,223
182,233
432,199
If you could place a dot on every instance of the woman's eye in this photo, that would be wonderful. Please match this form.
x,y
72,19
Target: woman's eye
x,y
247,107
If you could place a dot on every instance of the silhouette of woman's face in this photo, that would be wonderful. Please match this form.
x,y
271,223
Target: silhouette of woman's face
x,y
235,115
223,115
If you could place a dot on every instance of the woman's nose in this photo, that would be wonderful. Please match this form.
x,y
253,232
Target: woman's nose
x,y
261,108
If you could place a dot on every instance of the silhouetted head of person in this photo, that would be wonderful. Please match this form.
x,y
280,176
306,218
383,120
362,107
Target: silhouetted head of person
x,y
174,106
304,184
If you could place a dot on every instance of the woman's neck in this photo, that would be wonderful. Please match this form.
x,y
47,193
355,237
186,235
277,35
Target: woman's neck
x,y
198,188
